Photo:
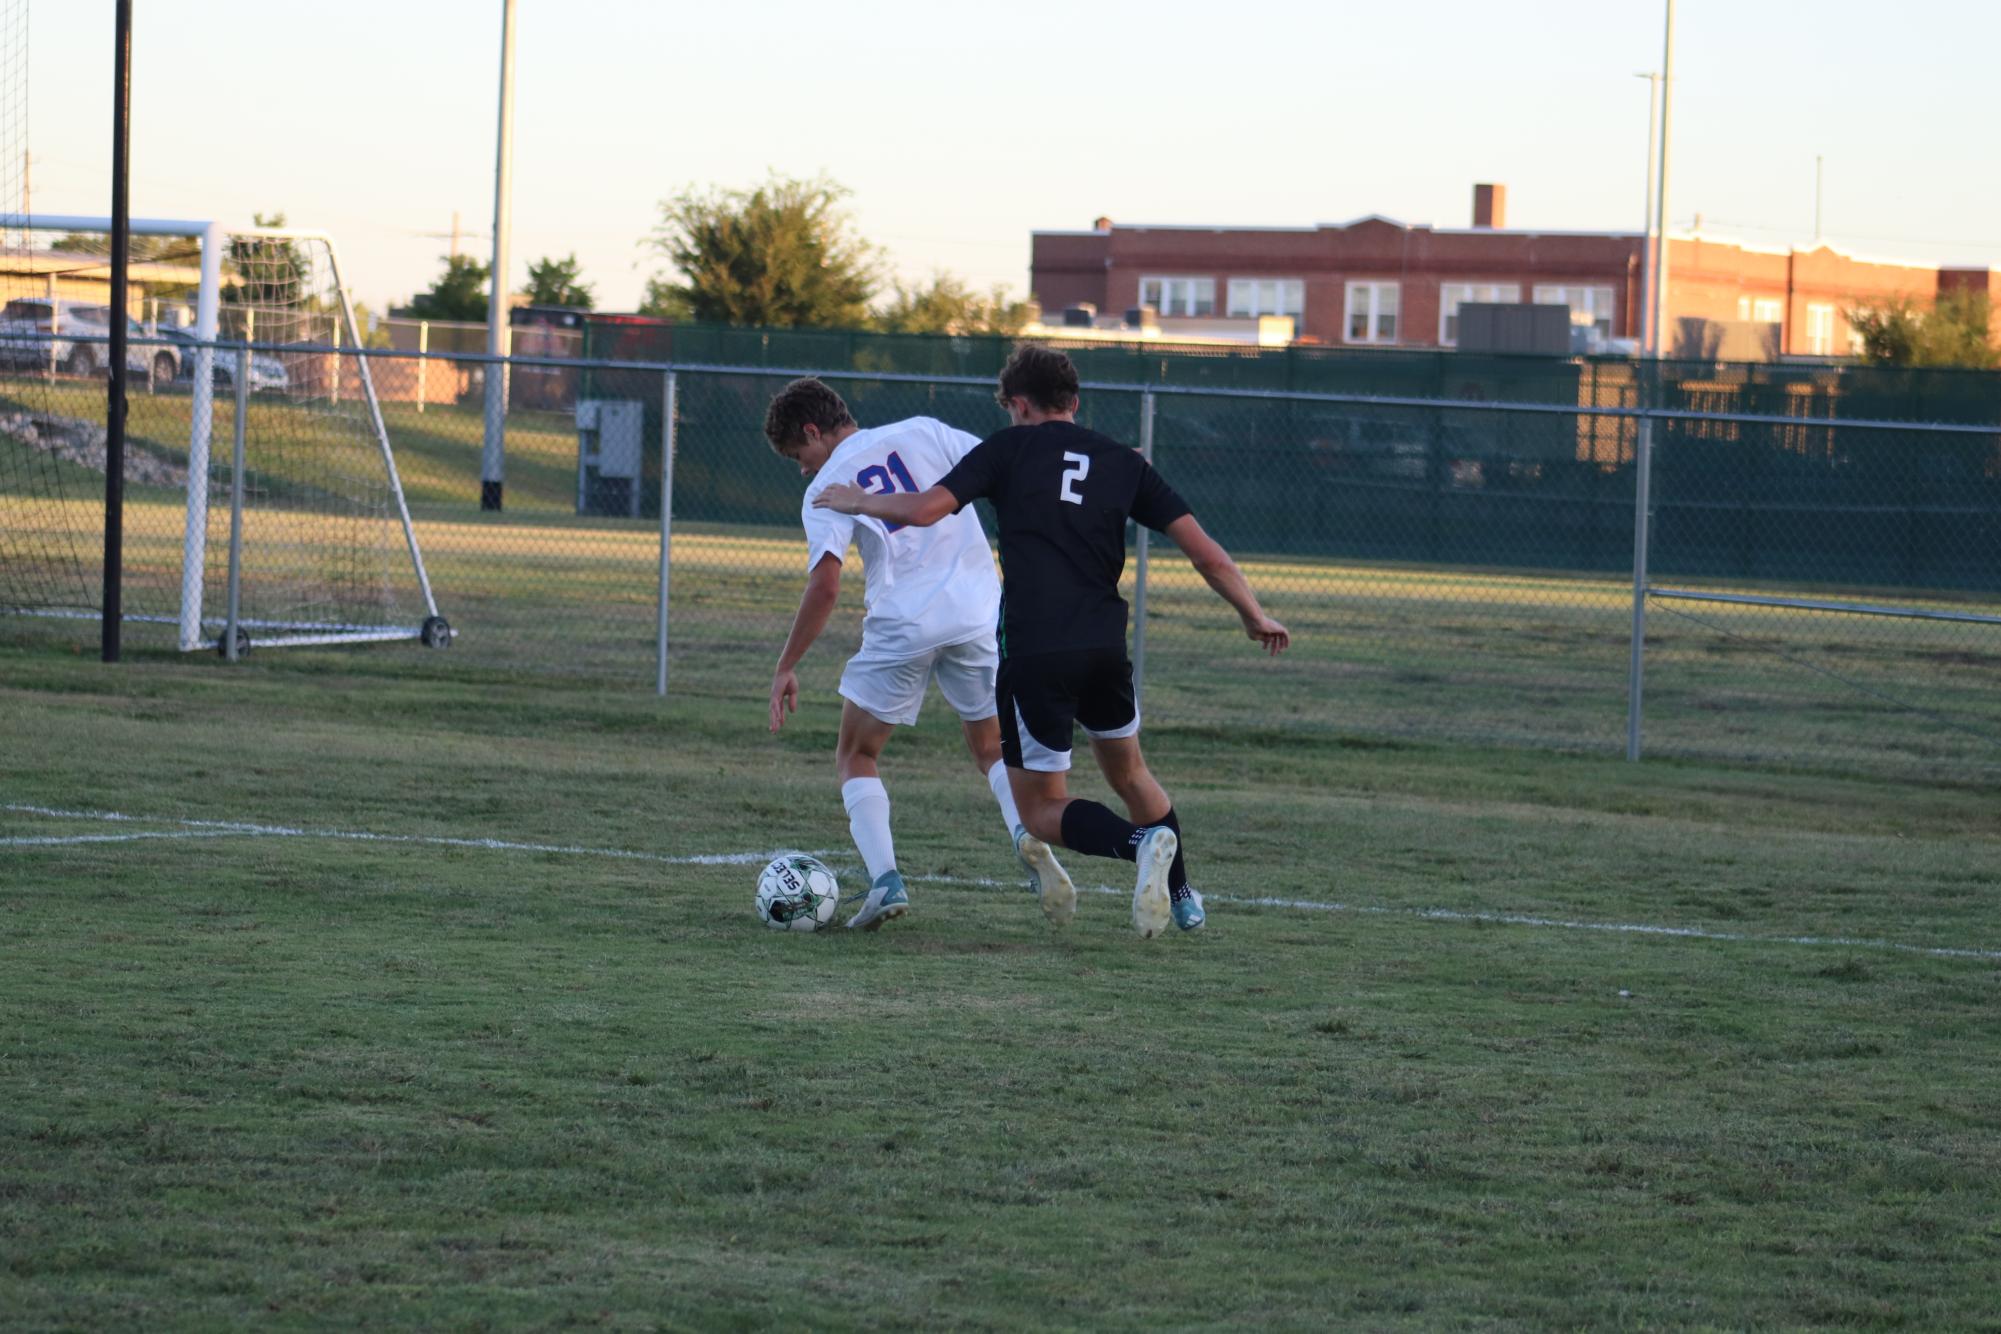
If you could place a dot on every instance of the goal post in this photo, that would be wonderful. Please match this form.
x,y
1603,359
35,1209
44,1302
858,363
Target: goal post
x,y
328,551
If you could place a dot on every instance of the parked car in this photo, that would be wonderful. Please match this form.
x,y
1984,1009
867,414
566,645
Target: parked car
x,y
266,370
29,326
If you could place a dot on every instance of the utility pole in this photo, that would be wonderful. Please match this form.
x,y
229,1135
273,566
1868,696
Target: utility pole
x,y
492,456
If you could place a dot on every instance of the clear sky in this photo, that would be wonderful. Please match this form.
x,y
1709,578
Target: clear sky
x,y
960,128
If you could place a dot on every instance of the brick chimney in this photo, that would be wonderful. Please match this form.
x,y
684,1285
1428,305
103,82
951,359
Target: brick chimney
x,y
1490,206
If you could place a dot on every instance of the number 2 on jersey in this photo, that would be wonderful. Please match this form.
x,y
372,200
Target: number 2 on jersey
x,y
880,481
1080,469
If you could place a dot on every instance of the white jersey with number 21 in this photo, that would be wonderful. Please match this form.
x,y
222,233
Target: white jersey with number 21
x,y
926,587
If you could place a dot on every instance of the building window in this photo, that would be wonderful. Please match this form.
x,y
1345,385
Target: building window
x,y
1590,306
1193,297
1452,295
1819,330
1252,297
1768,310
1372,313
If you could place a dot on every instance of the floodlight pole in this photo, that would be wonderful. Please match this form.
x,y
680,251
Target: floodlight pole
x,y
114,416
1643,461
492,455
1644,325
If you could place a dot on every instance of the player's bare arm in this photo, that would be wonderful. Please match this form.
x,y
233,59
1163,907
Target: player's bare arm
x,y
921,509
816,604
1221,573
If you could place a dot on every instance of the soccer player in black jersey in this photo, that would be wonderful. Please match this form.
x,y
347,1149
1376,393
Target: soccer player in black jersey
x,y
1062,494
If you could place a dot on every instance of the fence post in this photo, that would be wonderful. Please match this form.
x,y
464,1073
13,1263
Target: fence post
x,y
1139,563
668,396
1643,468
423,365
236,502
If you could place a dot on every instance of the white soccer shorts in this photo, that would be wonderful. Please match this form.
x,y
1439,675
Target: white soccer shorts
x,y
892,688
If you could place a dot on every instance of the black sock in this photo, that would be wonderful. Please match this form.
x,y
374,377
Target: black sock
x,y
1096,832
1177,874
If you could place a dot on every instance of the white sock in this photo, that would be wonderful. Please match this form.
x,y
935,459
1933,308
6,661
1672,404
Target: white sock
x,y
868,821
1004,794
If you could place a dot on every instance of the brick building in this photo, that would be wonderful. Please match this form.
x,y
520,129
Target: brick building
x,y
1377,282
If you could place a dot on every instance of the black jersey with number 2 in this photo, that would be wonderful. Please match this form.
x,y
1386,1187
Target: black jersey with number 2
x,y
1062,495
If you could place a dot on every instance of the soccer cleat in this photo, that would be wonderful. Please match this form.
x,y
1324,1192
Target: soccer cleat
x,y
1150,899
1050,882
1188,914
886,901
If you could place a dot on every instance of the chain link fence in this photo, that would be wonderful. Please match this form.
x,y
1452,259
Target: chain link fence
x,y
1821,591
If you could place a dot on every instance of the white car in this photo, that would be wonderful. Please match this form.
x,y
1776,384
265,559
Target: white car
x,y
266,370
31,326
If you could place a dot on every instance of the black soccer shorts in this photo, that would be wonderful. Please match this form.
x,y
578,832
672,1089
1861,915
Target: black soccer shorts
x,y
1043,696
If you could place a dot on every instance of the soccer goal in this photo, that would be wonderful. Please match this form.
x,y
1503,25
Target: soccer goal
x,y
291,520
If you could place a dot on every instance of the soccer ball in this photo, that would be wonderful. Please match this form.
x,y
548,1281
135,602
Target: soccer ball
x,y
796,892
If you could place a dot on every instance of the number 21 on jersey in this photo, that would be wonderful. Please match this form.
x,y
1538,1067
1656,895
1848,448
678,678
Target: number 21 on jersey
x,y
880,481
1079,469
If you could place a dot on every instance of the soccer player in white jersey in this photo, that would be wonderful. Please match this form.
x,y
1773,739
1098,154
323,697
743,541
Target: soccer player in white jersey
x,y
933,603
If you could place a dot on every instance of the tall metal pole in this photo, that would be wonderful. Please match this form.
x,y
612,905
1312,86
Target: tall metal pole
x,y
114,416
1643,460
1662,346
492,455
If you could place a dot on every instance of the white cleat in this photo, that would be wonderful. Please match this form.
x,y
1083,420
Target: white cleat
x,y
1151,902
1050,881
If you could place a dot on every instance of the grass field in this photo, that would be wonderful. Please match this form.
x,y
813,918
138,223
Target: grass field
x,y
492,1075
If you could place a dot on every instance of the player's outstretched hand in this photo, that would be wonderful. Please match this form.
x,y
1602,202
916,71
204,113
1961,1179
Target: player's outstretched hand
x,y
840,498
1274,637
784,697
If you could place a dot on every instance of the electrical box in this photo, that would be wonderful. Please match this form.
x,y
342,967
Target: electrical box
x,y
610,433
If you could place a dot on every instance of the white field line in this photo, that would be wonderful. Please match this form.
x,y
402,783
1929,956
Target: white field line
x,y
1502,919
50,841
226,828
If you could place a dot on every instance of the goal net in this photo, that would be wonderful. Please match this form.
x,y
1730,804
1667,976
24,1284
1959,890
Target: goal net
x,y
261,486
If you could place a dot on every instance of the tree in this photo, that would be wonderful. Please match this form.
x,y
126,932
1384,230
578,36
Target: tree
x,y
269,273
553,282
782,254
948,306
458,294
1901,331
664,301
